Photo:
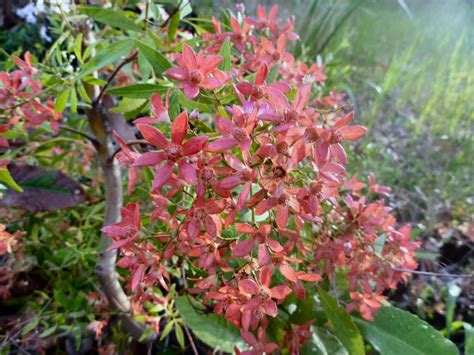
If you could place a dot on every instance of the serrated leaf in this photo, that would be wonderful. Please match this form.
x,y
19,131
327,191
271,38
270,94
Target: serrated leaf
x,y
226,63
137,91
394,331
173,26
209,328
61,102
342,324
43,190
113,18
106,56
157,60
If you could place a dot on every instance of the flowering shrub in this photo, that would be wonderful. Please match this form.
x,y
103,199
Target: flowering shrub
x,y
250,214
254,202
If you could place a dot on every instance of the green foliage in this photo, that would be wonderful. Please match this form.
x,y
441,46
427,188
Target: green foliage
x,y
394,331
209,328
114,18
342,324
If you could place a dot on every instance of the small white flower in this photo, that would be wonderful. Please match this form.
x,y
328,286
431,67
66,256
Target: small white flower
x,y
44,34
27,13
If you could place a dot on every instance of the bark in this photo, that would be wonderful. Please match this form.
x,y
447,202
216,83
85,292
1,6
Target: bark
x,y
99,120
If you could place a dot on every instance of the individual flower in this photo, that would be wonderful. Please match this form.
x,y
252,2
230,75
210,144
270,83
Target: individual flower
x,y
196,72
173,152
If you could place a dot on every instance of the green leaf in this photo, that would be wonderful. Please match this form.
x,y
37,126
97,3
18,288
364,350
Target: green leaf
x,y
272,75
179,335
468,338
113,18
48,332
174,108
78,47
62,100
226,64
30,326
128,105
106,56
73,100
157,60
342,324
137,91
7,179
209,328
394,331
322,342
173,27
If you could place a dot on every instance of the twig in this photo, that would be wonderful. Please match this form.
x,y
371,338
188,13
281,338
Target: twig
x,y
131,58
428,273
191,341
176,9
80,133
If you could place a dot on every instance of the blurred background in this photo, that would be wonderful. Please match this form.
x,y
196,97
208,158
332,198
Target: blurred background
x,y
407,67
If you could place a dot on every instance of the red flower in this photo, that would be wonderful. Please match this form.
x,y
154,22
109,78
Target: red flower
x,y
127,230
158,110
174,152
195,72
262,298
340,131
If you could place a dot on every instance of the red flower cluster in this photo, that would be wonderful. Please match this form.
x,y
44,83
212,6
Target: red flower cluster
x,y
258,205
19,99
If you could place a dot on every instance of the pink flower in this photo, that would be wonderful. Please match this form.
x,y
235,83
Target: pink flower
x,y
174,152
196,72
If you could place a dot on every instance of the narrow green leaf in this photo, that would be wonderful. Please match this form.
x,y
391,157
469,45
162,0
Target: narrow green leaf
x,y
168,328
7,179
178,331
30,326
62,100
272,75
94,81
394,331
469,338
114,18
128,105
83,93
174,109
78,47
73,100
209,328
137,91
173,27
226,64
48,332
157,60
342,324
106,56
